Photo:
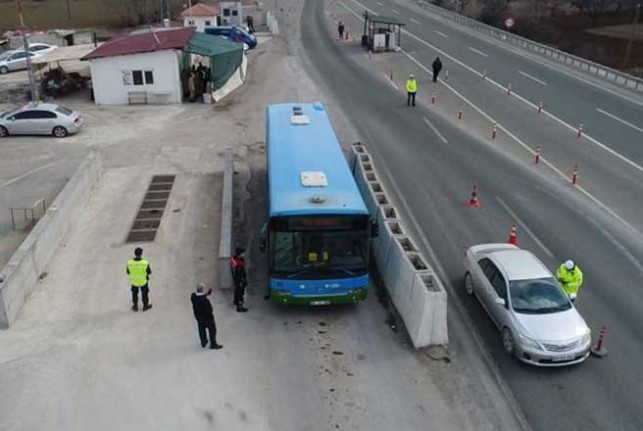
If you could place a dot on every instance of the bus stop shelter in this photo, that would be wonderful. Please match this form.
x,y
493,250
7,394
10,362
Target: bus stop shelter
x,y
382,33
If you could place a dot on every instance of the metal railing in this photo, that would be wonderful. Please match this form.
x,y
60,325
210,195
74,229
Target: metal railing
x,y
603,72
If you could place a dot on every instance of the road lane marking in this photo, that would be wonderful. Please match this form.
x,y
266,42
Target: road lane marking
x,y
414,21
524,227
619,119
379,3
478,52
391,82
426,120
395,11
533,78
504,129
514,94
33,171
438,32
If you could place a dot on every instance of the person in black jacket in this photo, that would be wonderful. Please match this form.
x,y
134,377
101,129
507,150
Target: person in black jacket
x,y
204,316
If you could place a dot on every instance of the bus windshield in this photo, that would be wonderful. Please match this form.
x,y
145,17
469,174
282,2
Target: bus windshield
x,y
320,247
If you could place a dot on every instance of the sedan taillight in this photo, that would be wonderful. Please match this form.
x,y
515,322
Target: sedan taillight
x,y
77,120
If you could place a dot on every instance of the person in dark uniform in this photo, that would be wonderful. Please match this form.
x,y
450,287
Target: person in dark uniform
x,y
238,268
204,317
139,272
340,30
437,67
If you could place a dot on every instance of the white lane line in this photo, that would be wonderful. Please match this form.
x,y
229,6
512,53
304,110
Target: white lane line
x,y
533,78
426,120
392,83
31,172
619,119
395,11
514,94
379,3
524,227
478,52
439,33
414,21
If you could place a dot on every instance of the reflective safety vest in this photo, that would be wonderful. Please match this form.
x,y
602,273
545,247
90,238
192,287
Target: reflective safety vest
x,y
571,280
411,86
137,272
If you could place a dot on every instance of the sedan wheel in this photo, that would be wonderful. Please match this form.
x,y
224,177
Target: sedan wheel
x,y
508,342
3,132
60,132
4,69
468,284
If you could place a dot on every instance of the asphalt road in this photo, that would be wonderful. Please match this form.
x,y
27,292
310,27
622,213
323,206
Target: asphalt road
x,y
429,179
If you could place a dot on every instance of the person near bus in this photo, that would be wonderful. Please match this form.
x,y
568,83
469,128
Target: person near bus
x,y
139,272
570,277
204,316
238,268
437,67
411,90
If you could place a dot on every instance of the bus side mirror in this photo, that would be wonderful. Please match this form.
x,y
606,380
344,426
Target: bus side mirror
x,y
375,229
262,245
262,238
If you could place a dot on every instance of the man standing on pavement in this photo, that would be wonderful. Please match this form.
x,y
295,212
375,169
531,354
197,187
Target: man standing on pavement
x,y
139,272
204,317
411,89
570,277
238,268
340,30
437,67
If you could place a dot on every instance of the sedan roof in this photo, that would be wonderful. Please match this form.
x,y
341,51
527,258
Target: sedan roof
x,y
520,264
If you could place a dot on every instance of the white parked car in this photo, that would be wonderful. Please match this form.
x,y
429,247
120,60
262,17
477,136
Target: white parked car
x,y
40,119
14,60
537,320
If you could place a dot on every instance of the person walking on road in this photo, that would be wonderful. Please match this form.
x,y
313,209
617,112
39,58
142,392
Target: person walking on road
x,y
139,272
204,316
238,268
437,67
340,31
411,90
570,277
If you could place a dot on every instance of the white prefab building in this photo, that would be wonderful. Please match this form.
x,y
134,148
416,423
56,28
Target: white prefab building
x,y
232,13
141,68
200,16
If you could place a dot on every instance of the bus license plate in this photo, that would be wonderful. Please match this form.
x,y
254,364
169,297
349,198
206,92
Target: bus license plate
x,y
319,302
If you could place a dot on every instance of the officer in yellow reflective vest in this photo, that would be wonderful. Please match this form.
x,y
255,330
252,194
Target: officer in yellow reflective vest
x,y
411,89
570,277
139,272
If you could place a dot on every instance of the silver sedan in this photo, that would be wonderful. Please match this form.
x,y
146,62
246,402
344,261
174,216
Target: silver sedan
x,y
40,119
538,322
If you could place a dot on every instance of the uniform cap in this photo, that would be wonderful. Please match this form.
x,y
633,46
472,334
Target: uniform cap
x,y
138,251
569,264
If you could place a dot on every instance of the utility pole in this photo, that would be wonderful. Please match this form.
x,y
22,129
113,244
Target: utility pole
x,y
32,79
68,11
626,62
22,21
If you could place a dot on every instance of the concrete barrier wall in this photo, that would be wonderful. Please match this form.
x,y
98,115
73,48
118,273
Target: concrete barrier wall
x,y
225,240
19,277
416,292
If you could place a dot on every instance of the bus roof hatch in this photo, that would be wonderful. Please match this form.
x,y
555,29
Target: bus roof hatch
x,y
313,179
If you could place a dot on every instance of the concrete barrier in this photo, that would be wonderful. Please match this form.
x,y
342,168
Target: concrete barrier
x,y
19,277
225,240
416,292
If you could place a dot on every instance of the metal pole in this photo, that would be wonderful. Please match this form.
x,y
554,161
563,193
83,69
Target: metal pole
x,y
68,11
32,80
629,42
22,21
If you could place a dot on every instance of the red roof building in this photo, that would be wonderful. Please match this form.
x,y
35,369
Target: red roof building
x,y
141,43
200,9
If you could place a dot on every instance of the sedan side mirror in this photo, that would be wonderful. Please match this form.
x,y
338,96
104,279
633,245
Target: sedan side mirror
x,y
501,301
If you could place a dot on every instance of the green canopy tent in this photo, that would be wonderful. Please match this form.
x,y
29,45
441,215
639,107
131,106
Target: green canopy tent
x,y
225,56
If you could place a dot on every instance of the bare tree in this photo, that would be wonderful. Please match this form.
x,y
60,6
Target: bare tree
x,y
492,11
594,9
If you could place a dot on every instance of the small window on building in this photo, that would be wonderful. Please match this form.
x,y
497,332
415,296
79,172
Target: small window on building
x,y
149,77
235,12
208,23
226,12
137,76
191,22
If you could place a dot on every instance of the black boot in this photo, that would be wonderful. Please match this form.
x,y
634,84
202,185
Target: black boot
x,y
241,309
216,346
135,307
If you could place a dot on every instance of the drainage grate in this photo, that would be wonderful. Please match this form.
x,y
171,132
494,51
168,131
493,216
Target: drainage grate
x,y
149,216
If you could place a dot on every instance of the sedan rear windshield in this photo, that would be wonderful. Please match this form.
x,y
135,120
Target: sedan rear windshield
x,y
539,296
64,110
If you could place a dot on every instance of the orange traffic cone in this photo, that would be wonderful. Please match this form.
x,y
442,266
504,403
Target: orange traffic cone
x,y
513,237
473,200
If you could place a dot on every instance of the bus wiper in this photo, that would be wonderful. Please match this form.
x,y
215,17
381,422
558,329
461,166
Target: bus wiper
x,y
302,272
347,271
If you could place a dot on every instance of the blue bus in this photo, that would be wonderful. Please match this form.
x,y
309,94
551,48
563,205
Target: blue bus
x,y
319,229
